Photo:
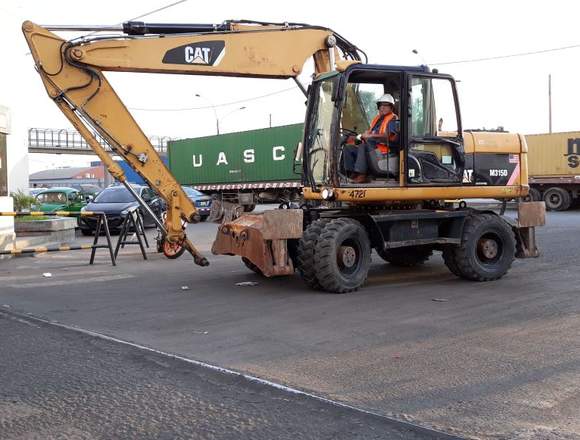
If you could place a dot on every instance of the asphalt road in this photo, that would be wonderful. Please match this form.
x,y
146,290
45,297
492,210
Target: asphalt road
x,y
59,384
487,360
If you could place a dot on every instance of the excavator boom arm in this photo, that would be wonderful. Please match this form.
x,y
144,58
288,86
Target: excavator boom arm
x,y
72,72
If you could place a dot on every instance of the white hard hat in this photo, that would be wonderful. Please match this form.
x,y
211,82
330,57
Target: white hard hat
x,y
388,98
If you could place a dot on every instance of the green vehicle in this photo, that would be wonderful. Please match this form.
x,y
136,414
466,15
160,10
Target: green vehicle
x,y
60,199
249,167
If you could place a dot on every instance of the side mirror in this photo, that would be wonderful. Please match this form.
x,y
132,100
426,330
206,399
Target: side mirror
x,y
146,197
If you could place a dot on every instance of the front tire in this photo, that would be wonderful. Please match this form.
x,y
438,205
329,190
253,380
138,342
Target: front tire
x,y
487,249
305,253
342,256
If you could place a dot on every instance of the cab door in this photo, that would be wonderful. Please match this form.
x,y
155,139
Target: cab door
x,y
435,153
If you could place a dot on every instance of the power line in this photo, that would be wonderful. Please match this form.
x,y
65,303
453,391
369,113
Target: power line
x,y
158,10
499,57
225,104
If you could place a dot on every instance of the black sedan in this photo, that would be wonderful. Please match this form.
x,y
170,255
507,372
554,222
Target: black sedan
x,y
115,201
201,201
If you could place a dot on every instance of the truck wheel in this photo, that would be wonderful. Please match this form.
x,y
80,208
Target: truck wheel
x,y
487,249
304,254
406,257
557,199
342,256
249,208
252,266
534,196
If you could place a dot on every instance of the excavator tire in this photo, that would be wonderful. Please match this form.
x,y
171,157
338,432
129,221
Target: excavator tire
x,y
487,249
406,257
252,266
449,259
304,253
342,256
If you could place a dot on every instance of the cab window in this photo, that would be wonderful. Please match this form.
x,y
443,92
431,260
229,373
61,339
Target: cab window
x,y
432,108
435,153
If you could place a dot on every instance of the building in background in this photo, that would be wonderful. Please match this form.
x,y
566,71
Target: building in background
x,y
4,130
71,177
6,223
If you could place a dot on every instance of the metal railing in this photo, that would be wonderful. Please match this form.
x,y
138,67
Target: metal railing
x,y
63,141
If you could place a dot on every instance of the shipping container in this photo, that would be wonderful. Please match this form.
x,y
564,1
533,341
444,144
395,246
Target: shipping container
x,y
554,168
246,167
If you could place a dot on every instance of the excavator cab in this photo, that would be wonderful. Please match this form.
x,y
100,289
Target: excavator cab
x,y
428,145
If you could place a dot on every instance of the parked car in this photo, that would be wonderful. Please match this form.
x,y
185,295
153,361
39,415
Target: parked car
x,y
115,201
59,199
201,201
34,191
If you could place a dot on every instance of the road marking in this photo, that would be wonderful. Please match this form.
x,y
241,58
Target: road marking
x,y
416,428
121,276
57,272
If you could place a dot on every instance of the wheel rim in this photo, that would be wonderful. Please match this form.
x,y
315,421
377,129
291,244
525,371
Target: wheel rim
x,y
554,199
348,257
489,248
171,249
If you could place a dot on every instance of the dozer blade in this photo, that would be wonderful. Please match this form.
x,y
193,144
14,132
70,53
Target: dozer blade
x,y
262,239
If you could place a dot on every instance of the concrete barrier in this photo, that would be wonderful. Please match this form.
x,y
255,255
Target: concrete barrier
x,y
7,234
54,229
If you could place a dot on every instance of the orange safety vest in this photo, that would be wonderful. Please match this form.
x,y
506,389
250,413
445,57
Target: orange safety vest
x,y
383,128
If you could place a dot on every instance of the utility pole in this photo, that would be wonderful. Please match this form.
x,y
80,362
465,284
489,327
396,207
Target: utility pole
x,y
550,102
270,120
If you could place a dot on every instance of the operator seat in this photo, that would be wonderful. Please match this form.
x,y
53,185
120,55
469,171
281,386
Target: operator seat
x,y
386,164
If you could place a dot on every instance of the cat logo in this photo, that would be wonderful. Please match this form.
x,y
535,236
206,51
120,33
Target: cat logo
x,y
197,55
208,53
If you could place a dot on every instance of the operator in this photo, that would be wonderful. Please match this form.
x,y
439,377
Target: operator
x,y
356,157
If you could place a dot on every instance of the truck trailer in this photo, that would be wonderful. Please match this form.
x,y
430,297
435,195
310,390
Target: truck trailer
x,y
554,169
245,168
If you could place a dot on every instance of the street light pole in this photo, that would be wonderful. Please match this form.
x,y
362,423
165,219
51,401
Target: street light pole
x,y
233,111
550,102
217,121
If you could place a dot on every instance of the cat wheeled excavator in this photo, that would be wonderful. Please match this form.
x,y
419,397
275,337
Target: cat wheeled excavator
x,y
412,204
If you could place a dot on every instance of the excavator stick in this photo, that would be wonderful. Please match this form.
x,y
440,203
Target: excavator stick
x,y
262,238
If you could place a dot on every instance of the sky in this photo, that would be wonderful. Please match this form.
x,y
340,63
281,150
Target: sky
x,y
510,92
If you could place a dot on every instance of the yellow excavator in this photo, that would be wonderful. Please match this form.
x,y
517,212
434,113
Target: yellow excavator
x,y
410,205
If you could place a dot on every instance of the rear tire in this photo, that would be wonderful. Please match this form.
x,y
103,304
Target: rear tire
x,y
252,266
305,251
487,249
449,259
342,256
406,257
557,199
